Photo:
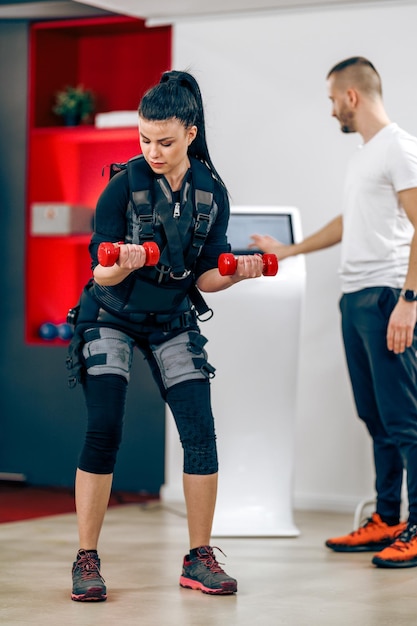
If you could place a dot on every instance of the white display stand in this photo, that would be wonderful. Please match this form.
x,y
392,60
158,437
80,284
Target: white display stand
x,y
254,345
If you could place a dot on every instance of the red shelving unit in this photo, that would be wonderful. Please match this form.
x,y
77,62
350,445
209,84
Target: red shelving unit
x,y
118,58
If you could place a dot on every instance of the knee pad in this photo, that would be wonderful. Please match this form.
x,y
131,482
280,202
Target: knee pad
x,y
183,358
107,351
191,408
105,399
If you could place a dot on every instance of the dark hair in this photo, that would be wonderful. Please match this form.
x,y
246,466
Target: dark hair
x,y
177,95
363,72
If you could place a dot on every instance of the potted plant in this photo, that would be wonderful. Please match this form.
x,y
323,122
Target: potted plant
x,y
74,104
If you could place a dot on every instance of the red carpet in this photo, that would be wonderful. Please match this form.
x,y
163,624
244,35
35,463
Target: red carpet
x,y
21,501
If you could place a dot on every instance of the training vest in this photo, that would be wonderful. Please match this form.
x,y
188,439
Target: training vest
x,y
180,230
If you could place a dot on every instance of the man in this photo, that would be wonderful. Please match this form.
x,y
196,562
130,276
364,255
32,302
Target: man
x,y
378,304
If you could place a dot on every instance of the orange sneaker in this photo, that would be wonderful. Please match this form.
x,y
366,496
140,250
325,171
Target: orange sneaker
x,y
401,553
374,535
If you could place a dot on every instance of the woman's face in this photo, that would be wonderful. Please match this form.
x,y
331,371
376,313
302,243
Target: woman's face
x,y
165,144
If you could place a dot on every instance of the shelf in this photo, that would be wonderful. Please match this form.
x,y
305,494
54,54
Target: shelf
x,y
115,58
57,269
76,162
86,134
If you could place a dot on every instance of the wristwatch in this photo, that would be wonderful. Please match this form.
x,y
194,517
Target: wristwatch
x,y
409,295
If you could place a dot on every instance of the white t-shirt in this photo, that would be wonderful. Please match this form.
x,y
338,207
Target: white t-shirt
x,y
376,231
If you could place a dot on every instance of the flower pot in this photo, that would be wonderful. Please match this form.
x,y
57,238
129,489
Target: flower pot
x,y
72,119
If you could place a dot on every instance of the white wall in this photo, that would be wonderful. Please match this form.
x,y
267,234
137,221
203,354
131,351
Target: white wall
x,y
274,142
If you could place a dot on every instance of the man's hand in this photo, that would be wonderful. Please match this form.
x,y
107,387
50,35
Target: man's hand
x,y
401,326
268,244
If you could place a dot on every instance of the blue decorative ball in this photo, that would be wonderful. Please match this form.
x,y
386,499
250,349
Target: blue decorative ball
x,y
64,331
48,331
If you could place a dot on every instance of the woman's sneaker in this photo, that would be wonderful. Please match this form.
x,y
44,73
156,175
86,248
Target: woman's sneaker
x,y
374,535
203,572
401,553
87,582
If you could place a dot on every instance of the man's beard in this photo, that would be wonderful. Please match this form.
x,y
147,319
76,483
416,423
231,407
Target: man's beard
x,y
347,122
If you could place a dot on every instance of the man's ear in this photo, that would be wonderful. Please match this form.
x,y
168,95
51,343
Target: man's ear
x,y
353,97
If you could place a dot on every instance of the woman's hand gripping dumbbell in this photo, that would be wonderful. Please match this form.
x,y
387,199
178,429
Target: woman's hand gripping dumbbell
x,y
108,253
227,264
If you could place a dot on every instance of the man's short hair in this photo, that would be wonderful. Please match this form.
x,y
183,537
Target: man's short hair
x,y
361,72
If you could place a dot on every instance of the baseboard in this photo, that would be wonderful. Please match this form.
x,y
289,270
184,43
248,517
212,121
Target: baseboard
x,y
12,477
329,503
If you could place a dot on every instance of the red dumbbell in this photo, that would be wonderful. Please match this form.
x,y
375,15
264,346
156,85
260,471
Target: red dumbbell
x,y
228,263
108,253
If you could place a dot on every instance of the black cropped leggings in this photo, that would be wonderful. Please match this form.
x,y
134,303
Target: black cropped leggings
x,y
190,405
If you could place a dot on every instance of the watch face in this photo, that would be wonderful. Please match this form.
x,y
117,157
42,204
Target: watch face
x,y
410,295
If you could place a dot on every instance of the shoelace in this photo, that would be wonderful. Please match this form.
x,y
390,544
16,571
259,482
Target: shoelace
x,y
88,567
405,538
364,526
209,559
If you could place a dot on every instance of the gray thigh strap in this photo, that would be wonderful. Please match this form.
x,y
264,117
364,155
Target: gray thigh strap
x,y
183,358
107,351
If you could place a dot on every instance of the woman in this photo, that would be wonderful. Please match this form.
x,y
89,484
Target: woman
x,y
179,201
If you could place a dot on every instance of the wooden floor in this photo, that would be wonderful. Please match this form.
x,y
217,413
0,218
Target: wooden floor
x,y
282,581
